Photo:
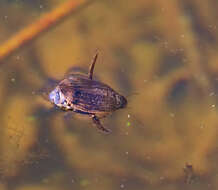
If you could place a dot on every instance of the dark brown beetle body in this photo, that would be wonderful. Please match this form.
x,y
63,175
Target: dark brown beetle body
x,y
81,94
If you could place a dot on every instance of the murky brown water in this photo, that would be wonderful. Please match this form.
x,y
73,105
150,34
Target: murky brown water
x,y
162,55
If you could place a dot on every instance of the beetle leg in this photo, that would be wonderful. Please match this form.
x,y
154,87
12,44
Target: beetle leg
x,y
97,122
92,66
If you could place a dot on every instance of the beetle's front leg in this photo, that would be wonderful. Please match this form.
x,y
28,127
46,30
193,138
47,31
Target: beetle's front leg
x,y
97,122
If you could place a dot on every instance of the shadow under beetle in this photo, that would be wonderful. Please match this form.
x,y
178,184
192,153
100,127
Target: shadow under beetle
x,y
82,94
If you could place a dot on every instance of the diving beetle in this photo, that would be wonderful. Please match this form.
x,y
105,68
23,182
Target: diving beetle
x,y
82,94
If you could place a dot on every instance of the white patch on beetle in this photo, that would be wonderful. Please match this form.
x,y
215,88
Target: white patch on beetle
x,y
58,98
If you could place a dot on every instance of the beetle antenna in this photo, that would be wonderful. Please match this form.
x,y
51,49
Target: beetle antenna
x,y
92,66
132,94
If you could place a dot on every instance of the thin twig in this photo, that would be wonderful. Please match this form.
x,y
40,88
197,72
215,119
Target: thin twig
x,y
43,24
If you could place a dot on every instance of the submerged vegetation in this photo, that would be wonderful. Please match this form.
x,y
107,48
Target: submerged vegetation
x,y
160,54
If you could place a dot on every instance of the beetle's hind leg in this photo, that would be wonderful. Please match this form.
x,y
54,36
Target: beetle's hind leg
x,y
97,122
92,66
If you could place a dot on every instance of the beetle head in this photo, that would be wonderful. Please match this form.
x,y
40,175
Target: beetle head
x,y
121,101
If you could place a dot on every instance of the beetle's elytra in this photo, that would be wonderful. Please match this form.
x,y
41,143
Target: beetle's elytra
x,y
81,94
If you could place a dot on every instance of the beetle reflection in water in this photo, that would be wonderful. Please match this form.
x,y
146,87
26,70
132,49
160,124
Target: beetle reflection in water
x,y
82,94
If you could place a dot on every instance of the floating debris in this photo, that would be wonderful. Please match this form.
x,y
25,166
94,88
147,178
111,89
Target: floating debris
x,y
189,173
